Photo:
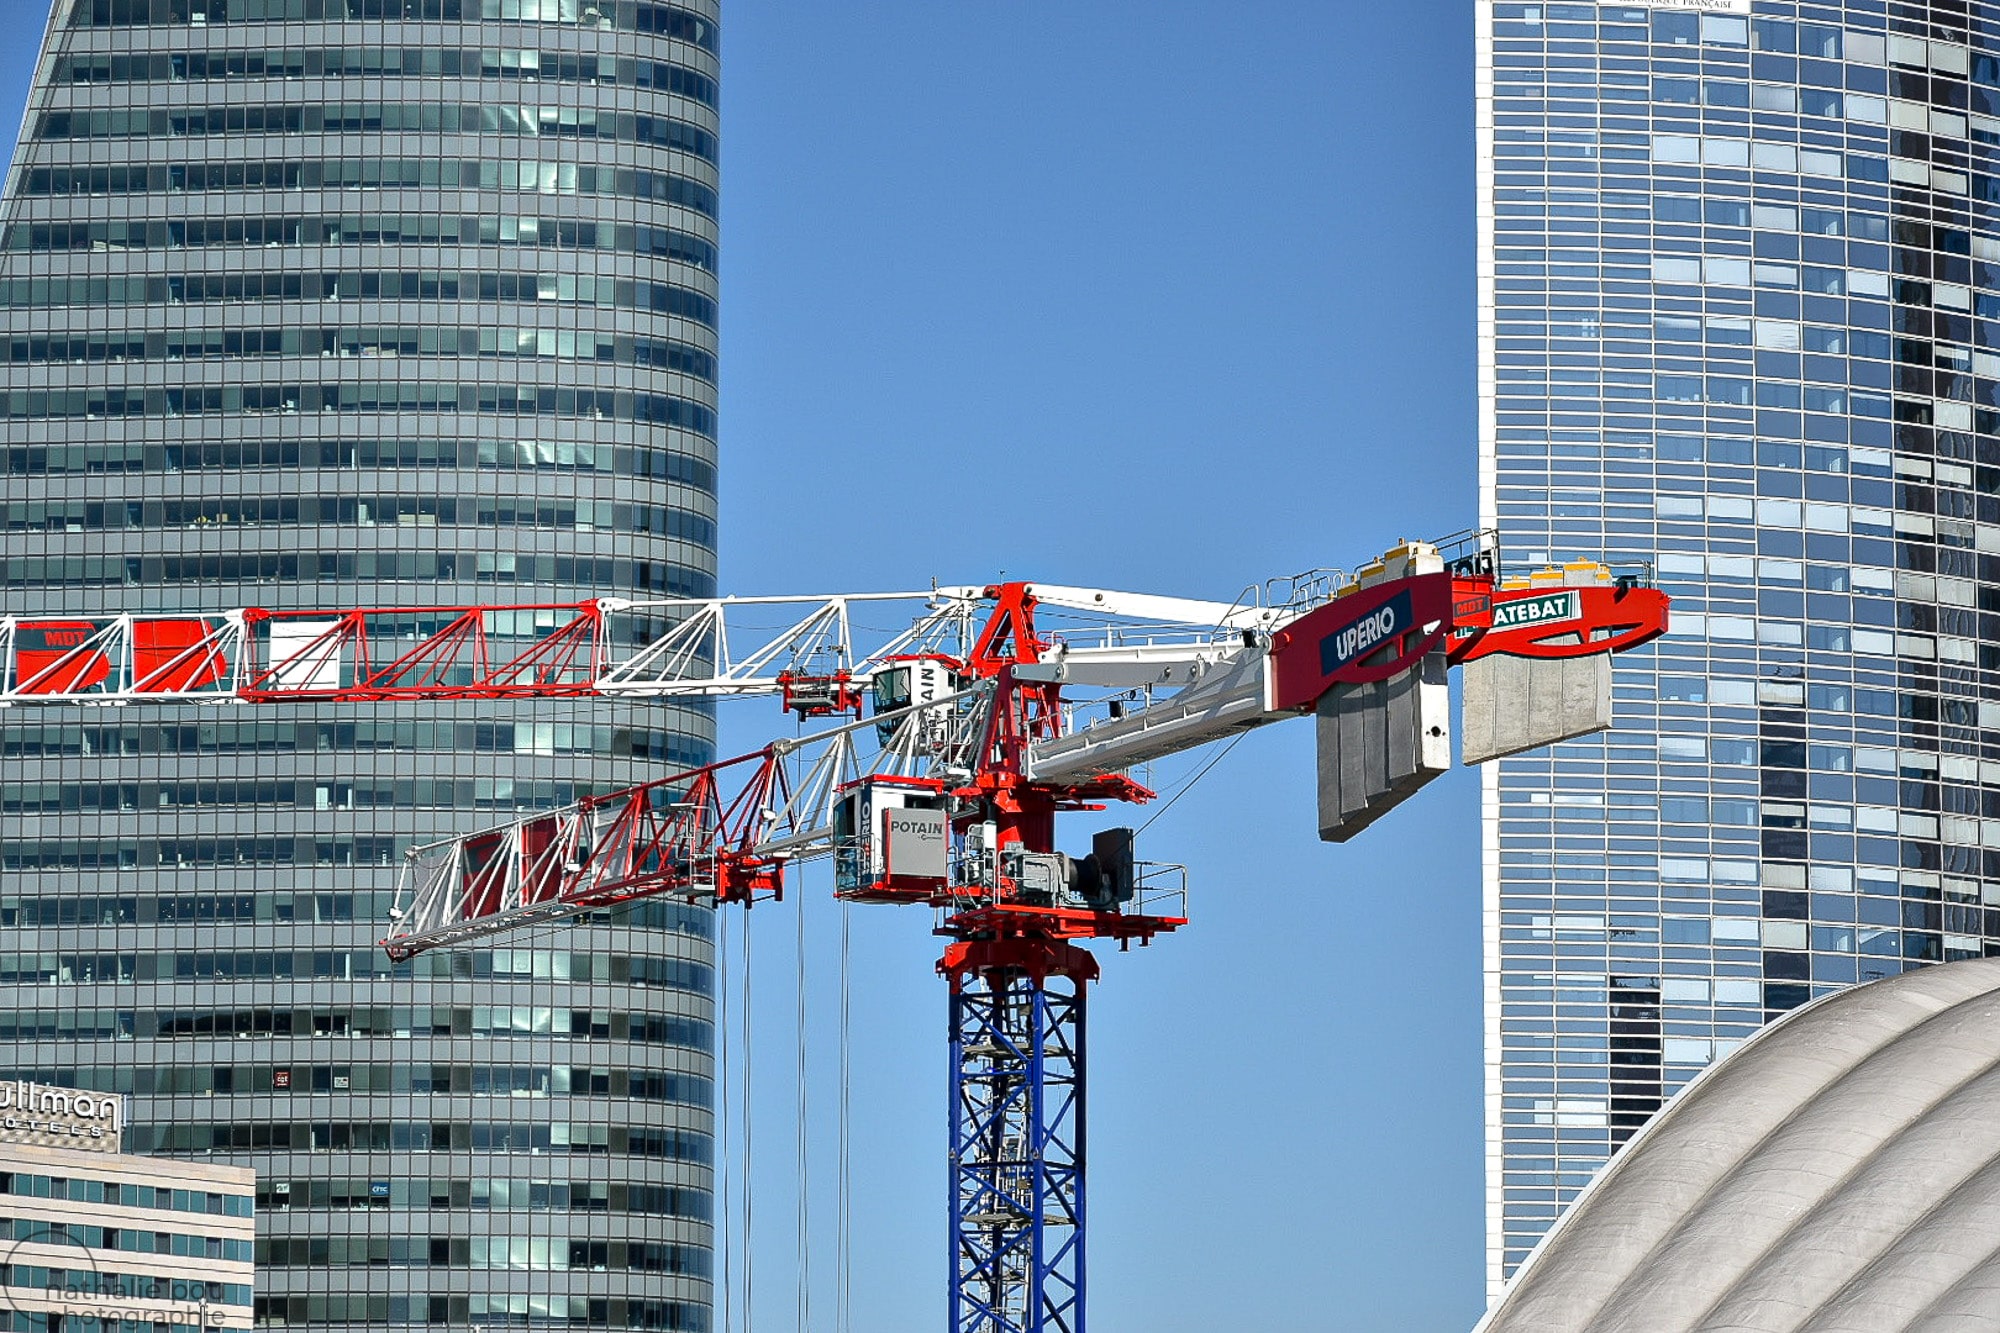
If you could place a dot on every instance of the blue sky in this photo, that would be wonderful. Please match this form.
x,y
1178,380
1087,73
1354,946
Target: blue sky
x,y
1169,297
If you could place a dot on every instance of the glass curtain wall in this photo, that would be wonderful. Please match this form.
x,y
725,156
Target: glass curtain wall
x,y
364,303
1740,317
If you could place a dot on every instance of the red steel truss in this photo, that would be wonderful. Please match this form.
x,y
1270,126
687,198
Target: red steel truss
x,y
535,650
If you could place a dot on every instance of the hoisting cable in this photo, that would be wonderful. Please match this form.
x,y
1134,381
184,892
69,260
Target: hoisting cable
x,y
1200,773
726,1136
844,1217
805,1172
743,1007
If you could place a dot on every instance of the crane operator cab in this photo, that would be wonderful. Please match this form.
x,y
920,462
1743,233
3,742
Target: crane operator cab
x,y
891,840
918,679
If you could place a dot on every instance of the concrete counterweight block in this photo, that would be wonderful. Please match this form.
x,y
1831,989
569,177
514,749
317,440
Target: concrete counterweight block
x,y
1380,743
1522,703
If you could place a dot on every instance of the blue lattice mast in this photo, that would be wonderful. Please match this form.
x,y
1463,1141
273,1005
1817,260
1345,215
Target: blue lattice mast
x,y
1017,1136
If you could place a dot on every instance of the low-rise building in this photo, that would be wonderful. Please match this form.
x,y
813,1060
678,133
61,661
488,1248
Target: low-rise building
x,y
111,1242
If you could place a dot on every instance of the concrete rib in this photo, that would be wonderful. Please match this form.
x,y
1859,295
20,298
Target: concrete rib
x,y
1841,1167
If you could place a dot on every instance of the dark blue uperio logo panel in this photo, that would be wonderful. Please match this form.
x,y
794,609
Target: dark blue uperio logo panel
x,y
1356,641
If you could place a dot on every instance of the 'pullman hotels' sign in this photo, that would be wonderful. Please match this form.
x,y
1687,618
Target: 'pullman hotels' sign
x,y
50,1117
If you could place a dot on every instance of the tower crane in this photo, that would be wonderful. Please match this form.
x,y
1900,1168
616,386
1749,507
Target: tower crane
x,y
943,754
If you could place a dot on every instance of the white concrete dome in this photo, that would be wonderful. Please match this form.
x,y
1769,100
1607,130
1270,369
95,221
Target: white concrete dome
x,y
1838,1174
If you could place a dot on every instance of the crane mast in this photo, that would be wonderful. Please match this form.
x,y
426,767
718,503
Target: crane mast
x,y
944,753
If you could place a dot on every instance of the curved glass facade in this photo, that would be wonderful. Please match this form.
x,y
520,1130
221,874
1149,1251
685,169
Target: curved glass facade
x,y
365,303
1740,315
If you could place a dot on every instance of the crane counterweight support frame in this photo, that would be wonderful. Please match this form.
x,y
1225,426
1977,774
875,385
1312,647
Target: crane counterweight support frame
x,y
994,709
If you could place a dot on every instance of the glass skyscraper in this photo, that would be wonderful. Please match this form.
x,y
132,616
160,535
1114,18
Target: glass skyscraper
x,y
1740,316
364,303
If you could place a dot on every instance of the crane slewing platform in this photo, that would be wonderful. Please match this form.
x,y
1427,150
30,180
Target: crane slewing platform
x,y
943,753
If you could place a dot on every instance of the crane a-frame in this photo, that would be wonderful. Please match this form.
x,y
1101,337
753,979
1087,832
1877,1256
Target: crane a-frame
x,y
957,743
